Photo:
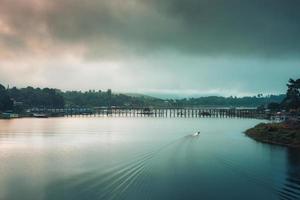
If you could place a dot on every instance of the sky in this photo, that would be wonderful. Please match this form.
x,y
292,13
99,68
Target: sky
x,y
157,47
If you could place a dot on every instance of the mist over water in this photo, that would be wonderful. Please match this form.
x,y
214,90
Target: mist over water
x,y
142,158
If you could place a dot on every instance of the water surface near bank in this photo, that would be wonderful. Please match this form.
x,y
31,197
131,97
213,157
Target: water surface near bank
x,y
142,158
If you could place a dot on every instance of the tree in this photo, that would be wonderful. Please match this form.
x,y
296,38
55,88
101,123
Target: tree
x,y
292,100
36,97
5,102
109,97
274,106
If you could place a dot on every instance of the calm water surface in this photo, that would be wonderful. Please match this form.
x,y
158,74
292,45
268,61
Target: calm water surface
x,y
142,158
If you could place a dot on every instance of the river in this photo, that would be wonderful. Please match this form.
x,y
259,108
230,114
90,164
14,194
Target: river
x,y
87,158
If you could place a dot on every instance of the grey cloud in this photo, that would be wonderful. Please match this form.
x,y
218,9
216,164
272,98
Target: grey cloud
x,y
259,27
210,27
180,45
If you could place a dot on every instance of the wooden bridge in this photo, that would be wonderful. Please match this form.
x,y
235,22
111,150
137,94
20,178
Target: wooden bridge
x,y
156,112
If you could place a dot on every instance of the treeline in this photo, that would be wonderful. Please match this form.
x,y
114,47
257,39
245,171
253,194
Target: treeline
x,y
21,98
107,98
253,101
36,97
291,100
5,101
99,98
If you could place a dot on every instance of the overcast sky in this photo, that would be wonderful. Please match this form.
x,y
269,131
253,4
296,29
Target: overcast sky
x,y
180,47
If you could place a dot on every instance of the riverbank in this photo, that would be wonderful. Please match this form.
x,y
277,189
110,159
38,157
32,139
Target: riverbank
x,y
284,133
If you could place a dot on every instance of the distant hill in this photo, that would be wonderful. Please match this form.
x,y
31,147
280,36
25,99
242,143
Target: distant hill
x,y
53,98
138,95
254,101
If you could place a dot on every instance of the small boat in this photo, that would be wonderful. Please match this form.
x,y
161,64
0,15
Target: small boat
x,y
37,115
197,133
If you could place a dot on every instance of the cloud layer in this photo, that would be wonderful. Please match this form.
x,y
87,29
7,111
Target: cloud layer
x,y
119,39
259,27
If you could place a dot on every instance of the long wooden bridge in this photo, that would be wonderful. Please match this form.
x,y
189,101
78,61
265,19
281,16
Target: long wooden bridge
x,y
155,112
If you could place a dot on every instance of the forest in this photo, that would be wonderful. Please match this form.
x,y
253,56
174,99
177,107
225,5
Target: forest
x,y
30,97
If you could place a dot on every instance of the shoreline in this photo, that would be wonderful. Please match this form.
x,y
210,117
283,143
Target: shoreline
x,y
285,134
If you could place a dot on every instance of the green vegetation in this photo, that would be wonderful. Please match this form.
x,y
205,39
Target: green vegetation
x,y
286,133
5,102
30,97
291,100
36,97
99,98
254,101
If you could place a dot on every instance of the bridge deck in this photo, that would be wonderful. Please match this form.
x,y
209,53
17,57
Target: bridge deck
x,y
157,112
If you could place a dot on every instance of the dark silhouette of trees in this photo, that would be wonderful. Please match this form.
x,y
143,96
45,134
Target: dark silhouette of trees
x,y
30,97
36,97
5,102
292,97
274,106
292,100
107,99
254,101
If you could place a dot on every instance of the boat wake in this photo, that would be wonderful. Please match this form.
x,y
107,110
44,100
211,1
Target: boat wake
x,y
110,184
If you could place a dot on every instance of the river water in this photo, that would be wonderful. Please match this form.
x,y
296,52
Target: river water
x,y
142,158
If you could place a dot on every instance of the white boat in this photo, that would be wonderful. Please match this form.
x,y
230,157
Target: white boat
x,y
197,133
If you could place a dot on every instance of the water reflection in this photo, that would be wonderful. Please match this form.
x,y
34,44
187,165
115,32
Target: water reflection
x,y
136,159
291,188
